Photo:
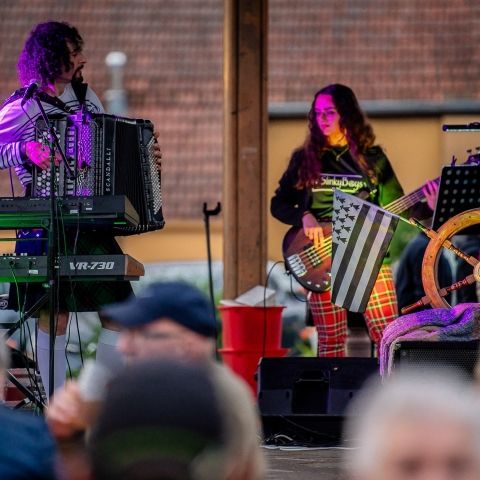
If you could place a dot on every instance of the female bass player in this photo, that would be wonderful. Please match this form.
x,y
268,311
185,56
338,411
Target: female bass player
x,y
339,151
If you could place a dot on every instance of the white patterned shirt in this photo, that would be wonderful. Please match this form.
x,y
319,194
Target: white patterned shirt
x,y
17,126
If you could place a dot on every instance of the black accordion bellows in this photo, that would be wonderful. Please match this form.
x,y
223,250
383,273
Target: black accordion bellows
x,y
108,155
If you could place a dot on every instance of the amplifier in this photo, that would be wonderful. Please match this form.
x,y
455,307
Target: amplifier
x,y
462,355
301,385
305,399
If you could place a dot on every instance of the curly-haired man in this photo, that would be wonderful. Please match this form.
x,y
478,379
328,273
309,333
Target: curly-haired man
x,y
53,59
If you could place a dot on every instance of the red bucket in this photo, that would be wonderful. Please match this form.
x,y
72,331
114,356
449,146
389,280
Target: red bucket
x,y
251,328
248,334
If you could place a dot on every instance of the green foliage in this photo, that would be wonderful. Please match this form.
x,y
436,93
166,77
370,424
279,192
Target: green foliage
x,y
302,348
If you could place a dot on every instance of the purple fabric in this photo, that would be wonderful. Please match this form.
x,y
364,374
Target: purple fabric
x,y
456,324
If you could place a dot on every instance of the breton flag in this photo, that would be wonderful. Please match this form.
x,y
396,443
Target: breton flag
x,y
360,238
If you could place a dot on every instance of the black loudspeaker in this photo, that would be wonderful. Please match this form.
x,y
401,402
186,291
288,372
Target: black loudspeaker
x,y
455,355
303,400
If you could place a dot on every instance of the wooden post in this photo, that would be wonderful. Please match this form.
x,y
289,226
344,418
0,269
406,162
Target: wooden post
x,y
245,144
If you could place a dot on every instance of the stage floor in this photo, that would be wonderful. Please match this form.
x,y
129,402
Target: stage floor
x,y
304,464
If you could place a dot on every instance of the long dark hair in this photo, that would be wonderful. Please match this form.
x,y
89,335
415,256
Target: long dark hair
x,y
45,53
359,133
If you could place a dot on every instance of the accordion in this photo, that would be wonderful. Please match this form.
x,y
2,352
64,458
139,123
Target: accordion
x,y
107,155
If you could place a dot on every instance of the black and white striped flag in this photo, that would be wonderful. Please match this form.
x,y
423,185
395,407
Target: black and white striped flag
x,y
360,238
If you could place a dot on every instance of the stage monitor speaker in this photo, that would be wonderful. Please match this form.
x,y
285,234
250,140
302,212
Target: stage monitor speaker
x,y
305,398
461,356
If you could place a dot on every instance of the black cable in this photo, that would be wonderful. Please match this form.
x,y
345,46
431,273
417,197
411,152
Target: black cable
x,y
316,433
34,385
22,322
71,285
292,291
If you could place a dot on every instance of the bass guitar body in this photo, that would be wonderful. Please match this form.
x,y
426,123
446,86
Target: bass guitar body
x,y
310,266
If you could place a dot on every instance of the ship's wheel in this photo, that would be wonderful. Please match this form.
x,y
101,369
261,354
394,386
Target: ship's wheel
x,y
434,293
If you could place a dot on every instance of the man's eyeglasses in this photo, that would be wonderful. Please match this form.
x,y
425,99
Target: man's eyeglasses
x,y
152,335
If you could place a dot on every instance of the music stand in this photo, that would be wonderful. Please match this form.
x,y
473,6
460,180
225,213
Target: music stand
x,y
459,190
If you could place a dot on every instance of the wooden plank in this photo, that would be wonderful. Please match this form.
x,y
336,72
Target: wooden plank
x,y
245,146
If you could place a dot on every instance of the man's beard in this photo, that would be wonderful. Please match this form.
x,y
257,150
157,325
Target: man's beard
x,y
77,76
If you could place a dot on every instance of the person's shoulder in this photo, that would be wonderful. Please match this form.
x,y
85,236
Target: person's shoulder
x,y
11,110
26,429
27,446
13,98
298,156
90,91
378,157
225,379
23,421
93,100
241,422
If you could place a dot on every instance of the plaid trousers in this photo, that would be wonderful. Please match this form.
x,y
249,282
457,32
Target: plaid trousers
x,y
331,321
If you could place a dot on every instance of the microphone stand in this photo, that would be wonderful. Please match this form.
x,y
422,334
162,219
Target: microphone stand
x,y
206,217
52,250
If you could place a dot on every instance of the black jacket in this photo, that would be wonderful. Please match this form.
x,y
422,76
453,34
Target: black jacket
x,y
289,203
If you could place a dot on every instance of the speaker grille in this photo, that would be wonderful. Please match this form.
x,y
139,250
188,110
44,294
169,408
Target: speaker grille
x,y
456,355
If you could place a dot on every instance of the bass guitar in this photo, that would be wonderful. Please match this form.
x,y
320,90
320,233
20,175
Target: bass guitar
x,y
311,265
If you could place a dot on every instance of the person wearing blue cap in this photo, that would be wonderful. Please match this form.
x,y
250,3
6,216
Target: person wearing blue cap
x,y
165,319
172,321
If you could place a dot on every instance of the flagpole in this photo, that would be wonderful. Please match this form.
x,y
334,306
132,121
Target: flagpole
x,y
411,221
432,234
446,243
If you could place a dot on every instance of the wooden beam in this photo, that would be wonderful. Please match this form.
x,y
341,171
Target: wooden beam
x,y
245,144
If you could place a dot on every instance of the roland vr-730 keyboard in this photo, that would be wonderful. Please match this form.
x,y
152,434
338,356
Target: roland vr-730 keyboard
x,y
76,268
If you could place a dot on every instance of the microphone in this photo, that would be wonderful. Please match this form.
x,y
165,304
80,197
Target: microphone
x,y
32,87
93,381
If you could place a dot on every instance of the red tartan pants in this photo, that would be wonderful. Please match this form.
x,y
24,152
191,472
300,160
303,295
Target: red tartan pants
x,y
331,321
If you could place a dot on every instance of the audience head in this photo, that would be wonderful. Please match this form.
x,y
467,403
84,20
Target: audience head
x,y
167,320
163,420
421,424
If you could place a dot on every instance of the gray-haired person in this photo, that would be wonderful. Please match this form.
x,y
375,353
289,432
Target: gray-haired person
x,y
422,424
